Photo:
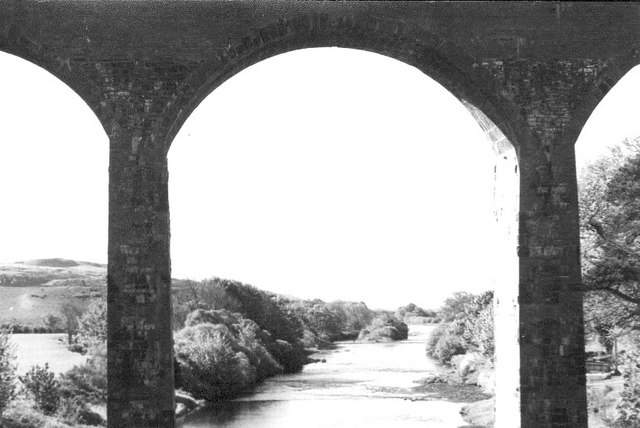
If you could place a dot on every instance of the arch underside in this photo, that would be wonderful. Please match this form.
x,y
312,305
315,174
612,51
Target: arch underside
x,y
440,60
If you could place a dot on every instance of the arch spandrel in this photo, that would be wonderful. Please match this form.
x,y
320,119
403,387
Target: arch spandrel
x,y
15,41
412,44
608,75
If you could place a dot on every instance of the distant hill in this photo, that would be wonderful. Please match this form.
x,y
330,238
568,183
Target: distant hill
x,y
59,263
32,289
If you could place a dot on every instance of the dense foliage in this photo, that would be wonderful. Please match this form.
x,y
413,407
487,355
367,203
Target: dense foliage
x,y
211,364
7,371
413,314
41,385
91,331
327,322
609,195
467,327
87,381
232,335
384,328
629,405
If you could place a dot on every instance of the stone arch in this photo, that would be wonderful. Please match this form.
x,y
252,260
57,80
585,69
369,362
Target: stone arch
x,y
459,73
414,45
13,41
609,75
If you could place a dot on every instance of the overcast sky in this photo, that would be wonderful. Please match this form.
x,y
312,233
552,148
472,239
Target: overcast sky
x,y
327,173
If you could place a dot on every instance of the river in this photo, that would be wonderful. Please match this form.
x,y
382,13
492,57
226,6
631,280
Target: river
x,y
360,385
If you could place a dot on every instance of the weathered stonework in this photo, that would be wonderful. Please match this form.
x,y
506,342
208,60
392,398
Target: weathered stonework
x,y
530,73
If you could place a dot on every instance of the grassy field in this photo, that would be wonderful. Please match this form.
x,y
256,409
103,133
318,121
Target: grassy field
x,y
38,349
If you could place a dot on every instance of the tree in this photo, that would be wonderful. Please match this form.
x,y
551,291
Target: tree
x,y
609,196
92,325
71,314
479,324
53,323
454,308
7,370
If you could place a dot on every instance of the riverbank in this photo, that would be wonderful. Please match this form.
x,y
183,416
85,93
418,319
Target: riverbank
x,y
360,385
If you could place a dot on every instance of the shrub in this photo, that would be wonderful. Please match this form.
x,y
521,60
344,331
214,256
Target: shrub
x,y
479,325
41,385
454,308
92,325
71,313
434,338
7,371
192,295
87,381
446,341
69,409
209,367
54,323
629,405
449,346
384,328
352,315
73,411
602,404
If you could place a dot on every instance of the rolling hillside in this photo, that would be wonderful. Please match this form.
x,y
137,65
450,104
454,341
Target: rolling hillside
x,y
31,290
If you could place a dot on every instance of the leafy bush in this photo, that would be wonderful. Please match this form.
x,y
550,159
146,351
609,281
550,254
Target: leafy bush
x,y
73,411
70,409
384,328
629,405
479,325
87,381
404,313
470,327
40,383
92,325
71,314
434,338
209,367
54,323
446,341
601,403
265,309
316,317
7,371
245,336
192,295
353,316
325,322
27,417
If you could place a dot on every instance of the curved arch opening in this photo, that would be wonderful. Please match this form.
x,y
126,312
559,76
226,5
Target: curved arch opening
x,y
607,156
341,174
53,222
53,169
613,120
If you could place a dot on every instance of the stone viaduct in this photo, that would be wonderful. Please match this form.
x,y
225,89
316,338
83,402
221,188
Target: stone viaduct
x,y
530,73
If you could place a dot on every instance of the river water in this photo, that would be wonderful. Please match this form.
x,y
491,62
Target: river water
x,y
360,385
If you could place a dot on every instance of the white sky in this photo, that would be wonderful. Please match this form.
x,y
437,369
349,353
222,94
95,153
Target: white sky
x,y
327,173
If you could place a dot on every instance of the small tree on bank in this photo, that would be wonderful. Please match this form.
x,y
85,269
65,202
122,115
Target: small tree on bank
x,y
71,313
7,371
